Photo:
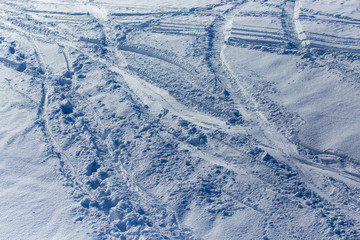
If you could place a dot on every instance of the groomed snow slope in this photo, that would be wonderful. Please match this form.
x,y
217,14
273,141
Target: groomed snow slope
x,y
179,119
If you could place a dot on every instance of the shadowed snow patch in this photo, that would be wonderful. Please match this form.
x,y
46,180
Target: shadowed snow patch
x,y
67,108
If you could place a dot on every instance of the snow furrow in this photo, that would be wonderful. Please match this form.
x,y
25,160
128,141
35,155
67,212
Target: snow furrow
x,y
180,120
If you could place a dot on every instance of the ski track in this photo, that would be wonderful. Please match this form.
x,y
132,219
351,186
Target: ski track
x,y
285,146
153,55
273,150
72,171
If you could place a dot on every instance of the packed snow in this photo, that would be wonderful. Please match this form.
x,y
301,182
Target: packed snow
x,y
163,119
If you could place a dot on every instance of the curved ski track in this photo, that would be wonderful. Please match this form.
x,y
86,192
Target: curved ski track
x,y
81,134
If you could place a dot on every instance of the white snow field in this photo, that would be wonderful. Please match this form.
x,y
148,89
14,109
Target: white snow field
x,y
164,119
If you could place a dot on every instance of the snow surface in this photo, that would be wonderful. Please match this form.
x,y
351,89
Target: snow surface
x,y
161,119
